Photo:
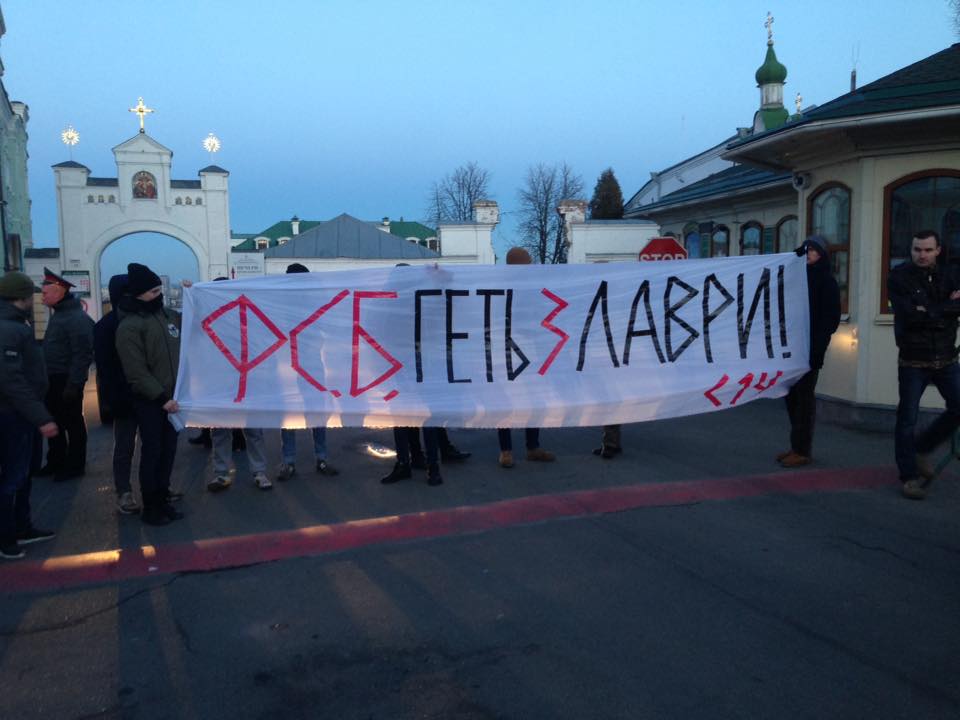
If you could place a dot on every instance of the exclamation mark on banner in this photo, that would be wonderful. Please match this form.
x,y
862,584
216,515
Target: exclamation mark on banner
x,y
782,313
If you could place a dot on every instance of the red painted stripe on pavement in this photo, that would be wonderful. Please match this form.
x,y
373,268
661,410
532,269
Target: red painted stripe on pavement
x,y
236,551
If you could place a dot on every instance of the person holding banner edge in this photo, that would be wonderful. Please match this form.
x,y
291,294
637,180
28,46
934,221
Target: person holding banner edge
x,y
824,298
926,303
535,453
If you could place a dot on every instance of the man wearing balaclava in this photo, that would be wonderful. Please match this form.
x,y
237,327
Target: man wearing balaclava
x,y
148,343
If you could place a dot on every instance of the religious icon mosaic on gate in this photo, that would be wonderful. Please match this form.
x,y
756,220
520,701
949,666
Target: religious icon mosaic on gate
x,y
144,186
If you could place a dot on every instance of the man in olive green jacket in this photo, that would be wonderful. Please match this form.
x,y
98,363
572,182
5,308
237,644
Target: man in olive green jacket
x,y
148,343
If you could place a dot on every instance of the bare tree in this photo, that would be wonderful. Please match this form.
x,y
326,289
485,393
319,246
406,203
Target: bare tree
x,y
540,226
452,198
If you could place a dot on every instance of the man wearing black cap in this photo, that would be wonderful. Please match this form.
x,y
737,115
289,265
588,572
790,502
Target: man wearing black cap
x,y
288,437
148,343
23,416
68,352
823,295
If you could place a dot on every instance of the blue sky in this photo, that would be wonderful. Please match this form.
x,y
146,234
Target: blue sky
x,y
329,107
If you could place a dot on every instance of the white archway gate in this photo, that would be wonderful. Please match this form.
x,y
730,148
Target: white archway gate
x,y
92,212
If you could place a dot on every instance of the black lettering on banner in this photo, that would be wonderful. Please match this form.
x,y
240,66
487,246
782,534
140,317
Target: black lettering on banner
x,y
451,335
781,311
510,346
416,327
642,292
670,317
743,330
599,299
488,353
710,315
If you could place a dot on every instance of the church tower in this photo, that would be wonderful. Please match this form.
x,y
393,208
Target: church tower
x,y
771,77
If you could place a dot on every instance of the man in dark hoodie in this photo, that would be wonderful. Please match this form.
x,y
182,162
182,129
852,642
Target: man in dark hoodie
x,y
68,352
926,302
148,344
23,416
824,298
115,391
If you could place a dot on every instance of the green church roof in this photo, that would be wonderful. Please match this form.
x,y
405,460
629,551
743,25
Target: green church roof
x,y
772,70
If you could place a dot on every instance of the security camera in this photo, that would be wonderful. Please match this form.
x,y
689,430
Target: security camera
x,y
801,181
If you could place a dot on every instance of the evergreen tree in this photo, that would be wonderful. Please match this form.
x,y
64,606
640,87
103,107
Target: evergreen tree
x,y
607,201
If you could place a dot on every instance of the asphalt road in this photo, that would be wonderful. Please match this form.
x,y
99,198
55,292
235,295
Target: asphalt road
x,y
812,594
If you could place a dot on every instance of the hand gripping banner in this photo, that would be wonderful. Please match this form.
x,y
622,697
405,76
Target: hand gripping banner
x,y
493,345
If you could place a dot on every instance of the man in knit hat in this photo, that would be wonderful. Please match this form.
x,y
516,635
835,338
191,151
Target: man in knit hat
x,y
23,416
68,353
535,453
288,437
148,343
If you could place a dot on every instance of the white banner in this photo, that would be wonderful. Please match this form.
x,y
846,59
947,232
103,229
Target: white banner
x,y
493,345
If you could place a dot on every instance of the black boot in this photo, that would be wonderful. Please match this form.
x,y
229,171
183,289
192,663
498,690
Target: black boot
x,y
401,471
433,475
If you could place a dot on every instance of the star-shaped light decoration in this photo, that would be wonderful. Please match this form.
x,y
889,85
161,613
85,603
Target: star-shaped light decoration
x,y
211,143
70,137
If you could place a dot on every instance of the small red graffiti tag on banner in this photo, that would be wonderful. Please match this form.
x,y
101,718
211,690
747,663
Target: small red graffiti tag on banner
x,y
295,343
745,382
547,323
360,332
244,364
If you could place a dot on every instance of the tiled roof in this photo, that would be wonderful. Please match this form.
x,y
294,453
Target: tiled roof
x,y
348,237
213,169
409,229
71,164
738,177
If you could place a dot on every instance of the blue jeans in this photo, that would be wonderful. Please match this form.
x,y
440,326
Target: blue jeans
x,y
19,446
288,444
912,382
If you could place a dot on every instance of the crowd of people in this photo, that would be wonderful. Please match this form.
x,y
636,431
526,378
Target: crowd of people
x,y
136,347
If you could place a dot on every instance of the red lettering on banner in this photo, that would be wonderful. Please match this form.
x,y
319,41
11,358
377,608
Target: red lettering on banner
x,y
243,365
359,332
295,343
744,383
709,393
760,387
547,323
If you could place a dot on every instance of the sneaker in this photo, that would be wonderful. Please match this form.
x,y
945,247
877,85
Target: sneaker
x,y
433,476
451,454
781,456
401,471
155,515
325,468
607,451
795,460
540,455
506,459
35,535
11,551
914,489
925,467
286,471
220,483
126,505
261,480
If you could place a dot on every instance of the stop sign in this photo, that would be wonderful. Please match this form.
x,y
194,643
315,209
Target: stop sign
x,y
663,248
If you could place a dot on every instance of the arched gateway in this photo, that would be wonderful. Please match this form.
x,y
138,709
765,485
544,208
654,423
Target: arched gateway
x,y
92,212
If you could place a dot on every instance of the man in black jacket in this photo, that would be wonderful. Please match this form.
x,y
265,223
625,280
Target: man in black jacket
x,y
823,295
114,390
926,301
23,416
68,352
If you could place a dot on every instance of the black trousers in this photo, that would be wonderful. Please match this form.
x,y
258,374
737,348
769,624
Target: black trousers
x,y
158,450
67,452
802,410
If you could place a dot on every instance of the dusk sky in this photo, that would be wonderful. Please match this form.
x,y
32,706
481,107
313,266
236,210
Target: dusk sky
x,y
358,107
